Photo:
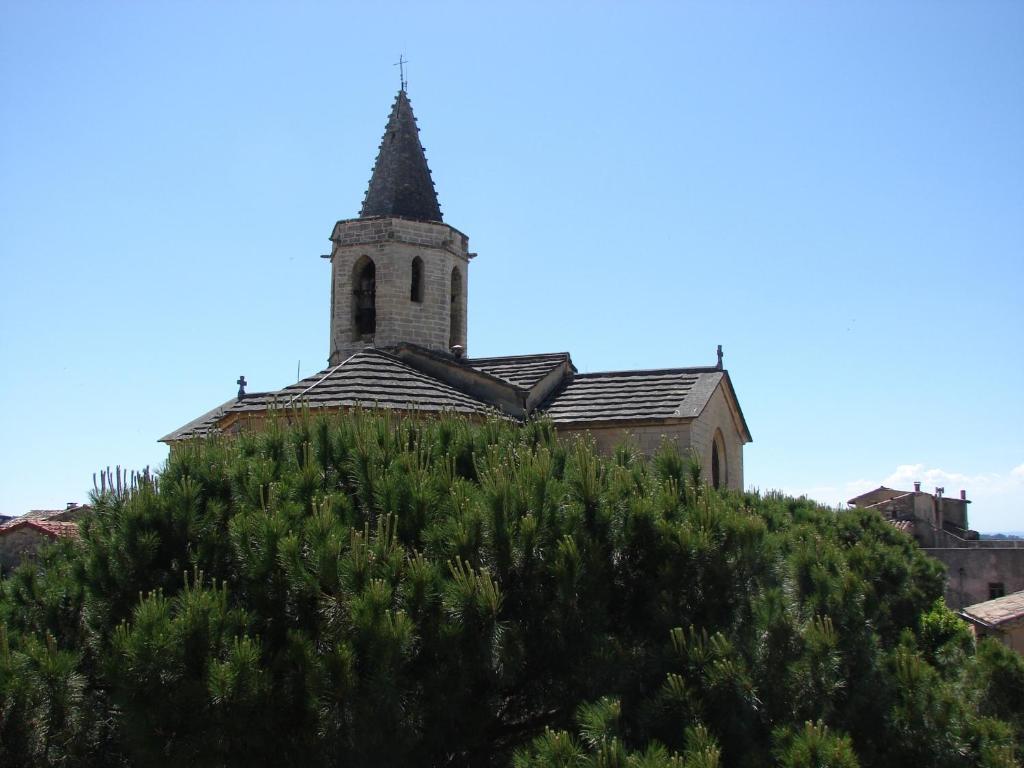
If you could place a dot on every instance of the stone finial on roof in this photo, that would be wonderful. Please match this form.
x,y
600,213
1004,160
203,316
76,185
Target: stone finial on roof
x,y
401,183
720,356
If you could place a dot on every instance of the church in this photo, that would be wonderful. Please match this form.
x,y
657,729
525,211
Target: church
x,y
399,332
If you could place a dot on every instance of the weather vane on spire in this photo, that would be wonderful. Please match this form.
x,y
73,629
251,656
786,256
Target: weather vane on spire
x,y
402,61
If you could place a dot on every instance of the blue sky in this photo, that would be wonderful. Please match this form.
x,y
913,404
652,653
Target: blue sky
x,y
833,192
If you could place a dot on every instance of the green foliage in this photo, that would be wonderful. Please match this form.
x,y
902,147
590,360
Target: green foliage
x,y
370,590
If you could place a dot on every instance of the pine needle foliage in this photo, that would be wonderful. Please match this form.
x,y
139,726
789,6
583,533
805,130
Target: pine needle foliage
x,y
370,590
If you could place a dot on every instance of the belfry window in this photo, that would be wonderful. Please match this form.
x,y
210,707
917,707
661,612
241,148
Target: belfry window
x,y
364,299
416,290
455,315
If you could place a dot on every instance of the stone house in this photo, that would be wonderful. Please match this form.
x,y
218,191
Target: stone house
x,y
976,570
1001,618
22,536
399,340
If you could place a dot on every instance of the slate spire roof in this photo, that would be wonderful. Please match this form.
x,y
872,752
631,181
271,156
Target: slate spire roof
x,y
401,183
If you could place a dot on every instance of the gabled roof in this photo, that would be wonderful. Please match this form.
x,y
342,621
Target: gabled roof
x,y
994,613
401,184
52,528
371,378
410,378
521,370
879,495
66,514
207,423
628,396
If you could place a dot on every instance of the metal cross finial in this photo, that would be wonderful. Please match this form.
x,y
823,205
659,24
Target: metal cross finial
x,y
241,386
720,357
402,61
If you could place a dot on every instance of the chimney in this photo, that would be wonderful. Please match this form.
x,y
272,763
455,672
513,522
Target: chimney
x,y
917,486
963,495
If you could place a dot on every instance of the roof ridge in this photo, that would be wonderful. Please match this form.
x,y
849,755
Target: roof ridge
x,y
650,372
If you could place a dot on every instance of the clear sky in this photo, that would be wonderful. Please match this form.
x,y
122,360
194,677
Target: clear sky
x,y
832,191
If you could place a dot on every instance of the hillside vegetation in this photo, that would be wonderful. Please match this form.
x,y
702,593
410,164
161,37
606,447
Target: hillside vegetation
x,y
370,591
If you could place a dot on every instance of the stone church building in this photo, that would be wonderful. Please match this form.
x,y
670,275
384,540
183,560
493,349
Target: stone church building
x,y
399,301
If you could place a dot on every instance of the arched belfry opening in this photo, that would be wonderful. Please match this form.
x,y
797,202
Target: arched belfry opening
x,y
455,316
364,298
416,288
719,469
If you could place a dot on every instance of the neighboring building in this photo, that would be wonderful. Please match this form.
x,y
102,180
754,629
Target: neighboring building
x,y
1001,618
399,301
977,570
22,536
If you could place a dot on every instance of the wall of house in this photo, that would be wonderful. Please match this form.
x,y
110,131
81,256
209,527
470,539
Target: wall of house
x,y
19,545
717,415
392,244
646,439
1011,636
696,435
981,566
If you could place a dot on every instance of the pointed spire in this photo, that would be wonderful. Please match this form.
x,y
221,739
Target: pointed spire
x,y
401,183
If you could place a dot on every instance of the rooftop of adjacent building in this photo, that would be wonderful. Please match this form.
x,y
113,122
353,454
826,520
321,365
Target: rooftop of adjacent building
x,y
998,612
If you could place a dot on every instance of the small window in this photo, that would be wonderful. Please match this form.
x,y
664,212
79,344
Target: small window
x,y
996,589
416,290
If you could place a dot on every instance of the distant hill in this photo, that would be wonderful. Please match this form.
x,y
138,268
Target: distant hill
x,y
1016,536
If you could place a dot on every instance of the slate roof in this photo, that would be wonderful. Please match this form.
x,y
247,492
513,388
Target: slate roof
x,y
401,183
207,423
371,378
521,370
377,378
1001,610
634,395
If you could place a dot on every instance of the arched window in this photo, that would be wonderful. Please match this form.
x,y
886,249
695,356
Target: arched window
x,y
416,290
719,470
364,298
455,321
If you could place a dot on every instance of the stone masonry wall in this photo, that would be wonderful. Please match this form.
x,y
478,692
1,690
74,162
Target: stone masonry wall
x,y
20,545
392,244
695,435
647,439
971,569
717,415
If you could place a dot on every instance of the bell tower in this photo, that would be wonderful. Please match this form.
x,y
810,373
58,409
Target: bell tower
x,y
398,272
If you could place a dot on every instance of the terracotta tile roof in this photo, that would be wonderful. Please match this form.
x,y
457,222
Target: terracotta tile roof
x,y
521,370
1002,610
52,515
634,395
53,528
880,495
